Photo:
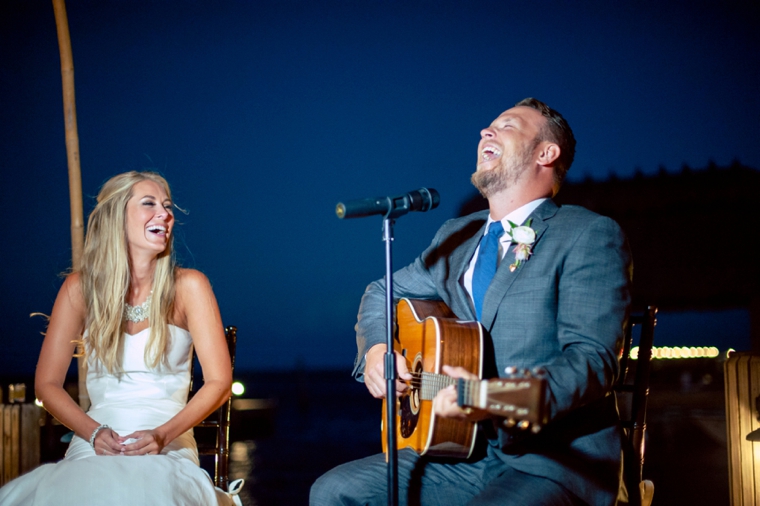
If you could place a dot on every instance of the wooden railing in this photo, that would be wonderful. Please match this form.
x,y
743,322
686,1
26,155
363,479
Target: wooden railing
x,y
19,435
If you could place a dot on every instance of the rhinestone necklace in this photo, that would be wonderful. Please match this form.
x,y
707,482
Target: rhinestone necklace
x,y
136,314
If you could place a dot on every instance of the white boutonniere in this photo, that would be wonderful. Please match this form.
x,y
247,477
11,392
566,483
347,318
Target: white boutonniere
x,y
524,236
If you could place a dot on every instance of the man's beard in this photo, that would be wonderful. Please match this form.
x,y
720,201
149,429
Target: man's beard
x,y
505,175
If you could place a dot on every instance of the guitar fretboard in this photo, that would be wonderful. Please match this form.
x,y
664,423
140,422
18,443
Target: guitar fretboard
x,y
429,384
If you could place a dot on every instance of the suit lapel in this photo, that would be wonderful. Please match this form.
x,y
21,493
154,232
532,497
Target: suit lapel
x,y
504,278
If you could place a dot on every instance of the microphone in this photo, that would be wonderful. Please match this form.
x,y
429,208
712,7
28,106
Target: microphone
x,y
420,200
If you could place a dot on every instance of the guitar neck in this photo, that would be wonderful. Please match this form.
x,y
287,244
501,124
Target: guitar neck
x,y
519,398
432,383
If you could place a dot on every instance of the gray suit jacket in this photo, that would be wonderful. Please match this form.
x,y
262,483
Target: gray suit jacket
x,y
564,309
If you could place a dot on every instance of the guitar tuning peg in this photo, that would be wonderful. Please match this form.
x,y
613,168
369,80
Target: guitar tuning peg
x,y
510,422
510,371
524,424
525,373
538,372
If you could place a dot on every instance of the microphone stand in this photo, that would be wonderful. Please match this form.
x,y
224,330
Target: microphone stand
x,y
394,211
423,199
390,367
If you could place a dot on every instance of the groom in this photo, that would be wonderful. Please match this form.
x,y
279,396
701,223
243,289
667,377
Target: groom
x,y
553,295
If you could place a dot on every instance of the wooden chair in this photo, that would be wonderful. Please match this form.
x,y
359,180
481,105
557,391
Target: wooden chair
x,y
632,389
219,420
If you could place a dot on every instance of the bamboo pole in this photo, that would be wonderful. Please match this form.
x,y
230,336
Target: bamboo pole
x,y
72,155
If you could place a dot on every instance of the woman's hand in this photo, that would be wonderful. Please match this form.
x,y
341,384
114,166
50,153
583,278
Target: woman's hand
x,y
142,442
107,442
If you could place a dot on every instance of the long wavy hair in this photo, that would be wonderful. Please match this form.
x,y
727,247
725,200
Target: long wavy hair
x,y
105,274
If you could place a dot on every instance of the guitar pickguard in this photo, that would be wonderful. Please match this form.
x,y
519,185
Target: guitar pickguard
x,y
409,404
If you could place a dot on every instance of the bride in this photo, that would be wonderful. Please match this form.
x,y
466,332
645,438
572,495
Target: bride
x,y
140,317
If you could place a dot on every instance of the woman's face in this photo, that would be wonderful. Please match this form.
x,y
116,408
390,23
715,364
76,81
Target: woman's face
x,y
149,218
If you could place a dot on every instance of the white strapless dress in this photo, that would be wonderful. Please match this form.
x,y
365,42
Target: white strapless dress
x,y
141,398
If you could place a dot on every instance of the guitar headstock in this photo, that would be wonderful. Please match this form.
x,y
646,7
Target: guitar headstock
x,y
520,399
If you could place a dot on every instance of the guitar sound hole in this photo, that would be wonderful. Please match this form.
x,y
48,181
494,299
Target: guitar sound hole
x,y
409,404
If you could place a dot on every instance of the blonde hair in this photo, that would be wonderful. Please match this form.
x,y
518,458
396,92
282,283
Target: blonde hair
x,y
105,274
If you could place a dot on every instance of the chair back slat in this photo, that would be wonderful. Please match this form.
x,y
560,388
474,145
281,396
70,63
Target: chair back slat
x,y
633,420
220,420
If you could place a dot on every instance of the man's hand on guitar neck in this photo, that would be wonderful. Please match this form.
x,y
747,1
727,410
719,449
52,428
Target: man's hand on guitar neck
x,y
374,372
445,402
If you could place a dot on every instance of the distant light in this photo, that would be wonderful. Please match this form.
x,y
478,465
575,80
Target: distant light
x,y
238,388
680,352
38,403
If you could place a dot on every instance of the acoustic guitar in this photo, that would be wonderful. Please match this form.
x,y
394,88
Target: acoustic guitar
x,y
430,336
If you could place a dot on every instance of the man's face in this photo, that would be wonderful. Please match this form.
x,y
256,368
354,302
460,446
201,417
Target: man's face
x,y
507,149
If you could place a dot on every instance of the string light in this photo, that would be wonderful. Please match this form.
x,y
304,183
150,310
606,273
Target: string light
x,y
679,352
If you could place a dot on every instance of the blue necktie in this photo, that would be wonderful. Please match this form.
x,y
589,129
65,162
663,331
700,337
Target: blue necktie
x,y
485,266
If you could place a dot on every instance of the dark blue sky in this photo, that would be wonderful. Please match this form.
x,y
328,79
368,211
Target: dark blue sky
x,y
263,115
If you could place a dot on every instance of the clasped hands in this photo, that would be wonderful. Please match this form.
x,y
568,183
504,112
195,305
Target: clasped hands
x,y
445,402
141,442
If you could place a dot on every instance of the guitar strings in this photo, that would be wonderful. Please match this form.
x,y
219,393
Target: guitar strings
x,y
429,384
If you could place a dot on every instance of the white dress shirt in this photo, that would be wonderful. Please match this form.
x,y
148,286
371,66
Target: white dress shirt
x,y
518,216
